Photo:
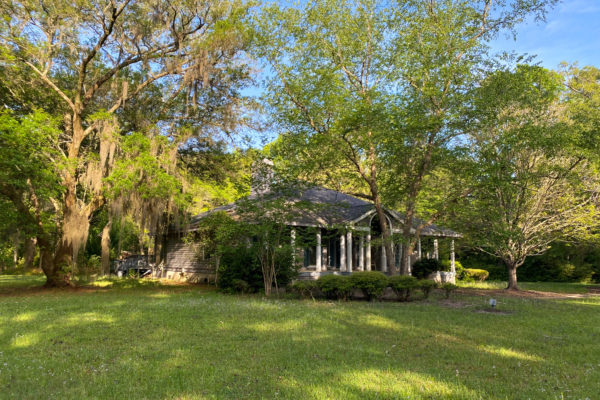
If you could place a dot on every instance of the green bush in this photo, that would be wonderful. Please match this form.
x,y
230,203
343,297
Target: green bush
x,y
426,286
240,286
457,266
403,286
239,263
425,266
306,289
449,288
471,274
371,283
335,286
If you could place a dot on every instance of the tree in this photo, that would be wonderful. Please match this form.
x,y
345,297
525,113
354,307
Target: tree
x,y
29,176
99,57
260,226
532,184
370,94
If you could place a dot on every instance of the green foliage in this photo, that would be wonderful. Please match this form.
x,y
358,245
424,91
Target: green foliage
x,y
305,288
336,287
457,266
426,286
236,264
425,266
403,286
371,283
449,288
471,274
532,179
240,286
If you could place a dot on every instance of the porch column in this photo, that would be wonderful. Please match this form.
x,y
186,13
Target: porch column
x,y
361,254
342,253
368,251
293,245
349,251
452,262
419,248
400,254
436,252
319,252
383,259
409,266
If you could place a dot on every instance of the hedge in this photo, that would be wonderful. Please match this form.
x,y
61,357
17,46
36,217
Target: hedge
x,y
371,283
472,274
335,287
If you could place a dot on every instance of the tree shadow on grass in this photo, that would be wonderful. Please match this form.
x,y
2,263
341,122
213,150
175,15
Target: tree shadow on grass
x,y
190,344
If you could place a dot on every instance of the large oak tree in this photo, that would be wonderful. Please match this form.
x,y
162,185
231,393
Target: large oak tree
x,y
97,57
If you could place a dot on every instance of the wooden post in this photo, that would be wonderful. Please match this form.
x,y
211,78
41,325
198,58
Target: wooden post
x,y
342,253
368,250
436,252
349,251
419,248
293,245
319,252
361,254
452,261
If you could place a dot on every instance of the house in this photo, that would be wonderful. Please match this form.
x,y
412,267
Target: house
x,y
345,237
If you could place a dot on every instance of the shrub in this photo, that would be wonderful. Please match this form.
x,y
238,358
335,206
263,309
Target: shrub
x,y
305,289
426,286
403,286
335,286
457,266
471,274
371,283
239,263
240,286
449,288
425,266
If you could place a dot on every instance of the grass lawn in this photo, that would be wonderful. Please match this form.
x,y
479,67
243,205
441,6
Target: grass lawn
x,y
143,340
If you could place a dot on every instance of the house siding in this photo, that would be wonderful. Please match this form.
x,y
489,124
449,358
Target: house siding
x,y
182,262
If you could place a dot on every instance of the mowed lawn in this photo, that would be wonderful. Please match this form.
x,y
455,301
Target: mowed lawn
x,y
141,340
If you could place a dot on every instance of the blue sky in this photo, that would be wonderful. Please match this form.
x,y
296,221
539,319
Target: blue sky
x,y
571,33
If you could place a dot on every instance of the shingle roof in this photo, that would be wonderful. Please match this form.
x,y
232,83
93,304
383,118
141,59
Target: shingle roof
x,y
331,208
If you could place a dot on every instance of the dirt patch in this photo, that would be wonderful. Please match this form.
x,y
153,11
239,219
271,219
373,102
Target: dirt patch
x,y
42,290
595,290
454,304
527,294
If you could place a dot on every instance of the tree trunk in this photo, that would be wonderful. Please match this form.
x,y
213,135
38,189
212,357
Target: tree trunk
x,y
158,244
76,219
105,244
16,243
15,255
512,277
387,238
30,244
383,225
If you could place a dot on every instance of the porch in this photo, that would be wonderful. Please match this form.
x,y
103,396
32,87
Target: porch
x,y
356,250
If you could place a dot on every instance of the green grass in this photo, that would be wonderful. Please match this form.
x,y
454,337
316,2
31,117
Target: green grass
x,y
21,281
558,287
140,340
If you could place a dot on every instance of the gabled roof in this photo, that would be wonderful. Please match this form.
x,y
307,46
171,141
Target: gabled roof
x,y
330,208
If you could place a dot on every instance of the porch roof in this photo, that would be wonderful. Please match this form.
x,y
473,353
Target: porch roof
x,y
329,208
